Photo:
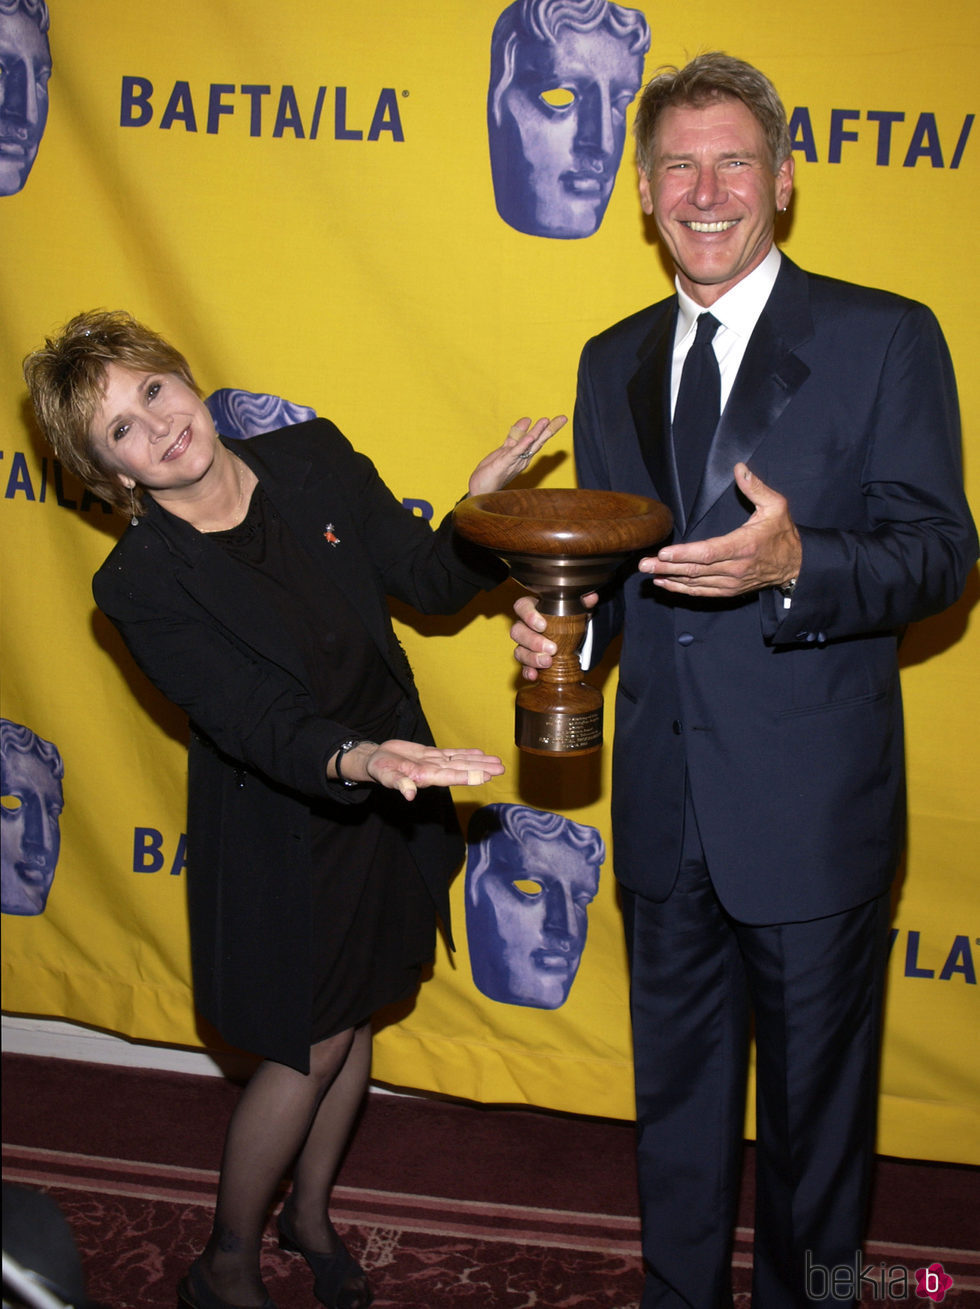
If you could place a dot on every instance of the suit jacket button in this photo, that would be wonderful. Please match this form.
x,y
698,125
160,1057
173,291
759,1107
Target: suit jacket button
x,y
685,638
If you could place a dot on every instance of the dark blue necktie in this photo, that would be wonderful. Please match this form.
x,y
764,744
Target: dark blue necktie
x,y
697,409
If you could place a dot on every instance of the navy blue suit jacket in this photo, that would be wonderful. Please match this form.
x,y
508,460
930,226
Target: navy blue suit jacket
x,y
787,722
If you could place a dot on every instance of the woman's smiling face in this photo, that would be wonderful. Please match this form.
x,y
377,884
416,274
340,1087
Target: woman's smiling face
x,y
154,430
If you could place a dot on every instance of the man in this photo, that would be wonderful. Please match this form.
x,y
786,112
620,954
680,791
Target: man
x,y
758,785
25,66
562,75
530,878
31,801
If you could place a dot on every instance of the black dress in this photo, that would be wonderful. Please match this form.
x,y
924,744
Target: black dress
x,y
373,918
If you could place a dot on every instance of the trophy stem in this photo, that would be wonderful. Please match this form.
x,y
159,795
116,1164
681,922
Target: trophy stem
x,y
560,545
559,712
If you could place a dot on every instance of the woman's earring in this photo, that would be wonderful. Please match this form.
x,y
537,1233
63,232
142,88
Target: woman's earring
x,y
134,521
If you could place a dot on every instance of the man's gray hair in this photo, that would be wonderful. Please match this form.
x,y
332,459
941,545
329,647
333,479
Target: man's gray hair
x,y
708,77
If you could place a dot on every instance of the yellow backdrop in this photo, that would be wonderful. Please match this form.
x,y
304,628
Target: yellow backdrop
x,y
351,259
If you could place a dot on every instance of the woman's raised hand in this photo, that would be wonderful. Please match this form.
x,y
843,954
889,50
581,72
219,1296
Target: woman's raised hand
x,y
521,444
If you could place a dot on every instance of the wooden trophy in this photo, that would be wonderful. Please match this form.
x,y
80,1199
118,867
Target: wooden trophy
x,y
561,544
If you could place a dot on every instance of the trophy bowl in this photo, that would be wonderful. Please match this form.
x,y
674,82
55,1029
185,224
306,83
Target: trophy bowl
x,y
561,544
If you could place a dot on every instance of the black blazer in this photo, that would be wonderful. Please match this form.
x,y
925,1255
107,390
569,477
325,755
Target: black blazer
x,y
259,747
788,722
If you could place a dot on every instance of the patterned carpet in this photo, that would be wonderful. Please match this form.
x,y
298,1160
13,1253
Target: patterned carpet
x,y
138,1230
487,1208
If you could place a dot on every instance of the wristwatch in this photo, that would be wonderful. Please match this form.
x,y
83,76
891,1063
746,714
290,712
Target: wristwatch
x,y
786,591
342,750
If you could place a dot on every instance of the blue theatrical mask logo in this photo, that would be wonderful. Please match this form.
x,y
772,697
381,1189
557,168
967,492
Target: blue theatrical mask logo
x,y
25,66
562,76
238,414
530,878
31,801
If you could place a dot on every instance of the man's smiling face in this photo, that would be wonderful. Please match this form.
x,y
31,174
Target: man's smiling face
x,y
713,194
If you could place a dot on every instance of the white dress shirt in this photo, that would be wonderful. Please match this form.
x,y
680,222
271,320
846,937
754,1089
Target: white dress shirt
x,y
737,311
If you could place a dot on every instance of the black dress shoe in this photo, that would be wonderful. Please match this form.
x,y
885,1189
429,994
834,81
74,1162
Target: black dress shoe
x,y
339,1281
193,1292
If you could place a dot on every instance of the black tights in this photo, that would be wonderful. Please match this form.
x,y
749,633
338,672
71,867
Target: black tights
x,y
284,1115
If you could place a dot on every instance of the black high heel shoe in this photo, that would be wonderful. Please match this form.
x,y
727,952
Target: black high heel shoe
x,y
193,1292
339,1281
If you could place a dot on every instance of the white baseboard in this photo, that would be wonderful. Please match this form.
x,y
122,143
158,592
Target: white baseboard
x,y
56,1039
52,1038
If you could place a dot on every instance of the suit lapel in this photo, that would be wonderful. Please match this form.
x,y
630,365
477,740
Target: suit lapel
x,y
649,399
215,581
316,509
770,375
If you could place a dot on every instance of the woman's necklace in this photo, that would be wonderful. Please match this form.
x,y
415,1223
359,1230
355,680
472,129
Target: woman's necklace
x,y
234,516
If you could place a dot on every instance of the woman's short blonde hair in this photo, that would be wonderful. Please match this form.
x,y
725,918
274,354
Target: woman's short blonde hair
x,y
67,379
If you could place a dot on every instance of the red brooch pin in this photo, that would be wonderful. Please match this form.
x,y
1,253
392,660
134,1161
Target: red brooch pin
x,y
330,536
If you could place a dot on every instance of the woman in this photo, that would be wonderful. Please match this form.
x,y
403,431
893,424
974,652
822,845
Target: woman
x,y
251,588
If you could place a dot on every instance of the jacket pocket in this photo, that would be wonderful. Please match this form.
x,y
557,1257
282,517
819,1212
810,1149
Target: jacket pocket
x,y
830,706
